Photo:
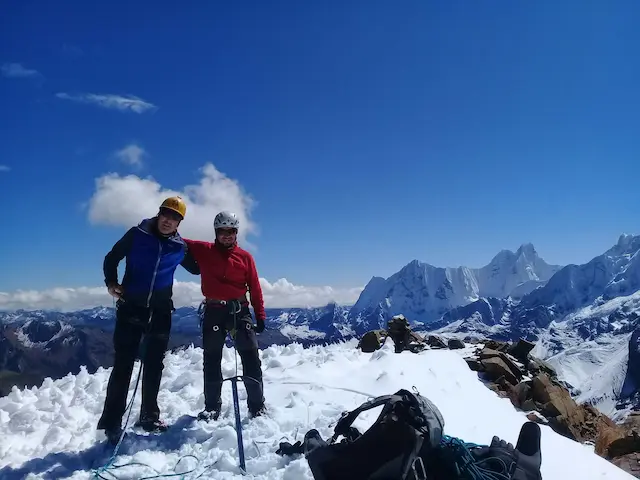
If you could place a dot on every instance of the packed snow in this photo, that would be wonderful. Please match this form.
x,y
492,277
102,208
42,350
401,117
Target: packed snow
x,y
49,432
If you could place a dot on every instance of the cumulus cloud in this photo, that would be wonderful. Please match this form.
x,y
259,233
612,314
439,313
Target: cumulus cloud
x,y
16,70
132,155
125,200
280,294
115,102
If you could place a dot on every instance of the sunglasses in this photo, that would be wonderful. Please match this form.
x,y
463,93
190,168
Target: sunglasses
x,y
227,231
170,214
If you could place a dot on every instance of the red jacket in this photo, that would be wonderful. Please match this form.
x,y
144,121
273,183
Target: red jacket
x,y
227,274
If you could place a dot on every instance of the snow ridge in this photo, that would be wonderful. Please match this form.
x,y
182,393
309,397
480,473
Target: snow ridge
x,y
51,430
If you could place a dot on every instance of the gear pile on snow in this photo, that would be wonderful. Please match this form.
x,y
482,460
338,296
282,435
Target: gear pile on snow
x,y
407,442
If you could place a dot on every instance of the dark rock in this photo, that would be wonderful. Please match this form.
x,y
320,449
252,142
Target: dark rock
x,y
455,344
519,394
536,366
435,342
634,357
372,340
521,350
529,405
488,353
495,367
629,463
497,345
475,365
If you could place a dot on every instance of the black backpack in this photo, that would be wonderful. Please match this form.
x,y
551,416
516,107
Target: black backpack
x,y
408,427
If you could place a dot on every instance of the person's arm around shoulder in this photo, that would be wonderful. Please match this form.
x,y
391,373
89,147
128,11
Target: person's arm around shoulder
x,y
189,261
255,292
111,261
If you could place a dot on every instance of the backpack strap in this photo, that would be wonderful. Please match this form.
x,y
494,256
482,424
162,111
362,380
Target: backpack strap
x,y
344,423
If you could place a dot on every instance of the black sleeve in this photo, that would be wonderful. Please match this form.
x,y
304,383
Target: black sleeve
x,y
117,253
189,263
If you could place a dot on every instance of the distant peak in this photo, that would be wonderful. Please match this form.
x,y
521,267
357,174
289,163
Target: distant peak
x,y
527,249
625,239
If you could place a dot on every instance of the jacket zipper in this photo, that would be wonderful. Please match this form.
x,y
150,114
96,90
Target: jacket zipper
x,y
155,272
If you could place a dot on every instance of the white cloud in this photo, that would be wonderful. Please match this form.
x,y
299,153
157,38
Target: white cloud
x,y
125,200
4,168
131,155
16,70
280,294
116,102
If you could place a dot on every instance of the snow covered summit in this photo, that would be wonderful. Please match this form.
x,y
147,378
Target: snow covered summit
x,y
49,432
423,292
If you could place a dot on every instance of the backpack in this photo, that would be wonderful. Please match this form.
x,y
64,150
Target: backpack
x,y
407,429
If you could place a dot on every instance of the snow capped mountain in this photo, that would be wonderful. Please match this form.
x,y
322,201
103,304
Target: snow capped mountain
x,y
583,321
614,273
424,293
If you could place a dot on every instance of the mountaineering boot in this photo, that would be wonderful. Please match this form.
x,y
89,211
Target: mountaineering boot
x,y
257,411
152,424
113,434
208,415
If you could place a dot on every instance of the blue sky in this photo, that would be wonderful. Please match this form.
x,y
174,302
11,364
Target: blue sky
x,y
366,136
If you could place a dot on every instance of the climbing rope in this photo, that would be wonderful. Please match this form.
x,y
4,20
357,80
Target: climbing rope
x,y
469,467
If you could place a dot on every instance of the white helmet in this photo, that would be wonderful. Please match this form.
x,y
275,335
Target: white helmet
x,y
226,220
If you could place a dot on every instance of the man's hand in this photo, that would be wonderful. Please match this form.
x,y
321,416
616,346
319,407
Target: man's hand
x,y
115,290
259,325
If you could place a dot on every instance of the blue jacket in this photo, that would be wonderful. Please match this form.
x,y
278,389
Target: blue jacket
x,y
151,261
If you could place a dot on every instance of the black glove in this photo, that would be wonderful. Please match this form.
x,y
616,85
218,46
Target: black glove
x,y
519,463
259,328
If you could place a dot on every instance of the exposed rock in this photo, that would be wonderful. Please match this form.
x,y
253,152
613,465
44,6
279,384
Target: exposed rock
x,y
455,344
529,405
533,417
634,356
495,368
619,447
548,400
372,340
521,350
605,436
629,463
535,366
475,365
520,393
436,342
488,353
497,345
473,340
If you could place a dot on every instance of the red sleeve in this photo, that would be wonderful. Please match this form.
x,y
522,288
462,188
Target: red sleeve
x,y
197,248
255,290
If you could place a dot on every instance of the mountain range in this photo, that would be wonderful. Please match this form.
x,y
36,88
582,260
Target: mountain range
x,y
582,318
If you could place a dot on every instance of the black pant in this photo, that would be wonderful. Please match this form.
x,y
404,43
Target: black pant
x,y
131,324
218,320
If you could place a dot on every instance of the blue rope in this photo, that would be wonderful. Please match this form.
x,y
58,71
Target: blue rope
x,y
467,466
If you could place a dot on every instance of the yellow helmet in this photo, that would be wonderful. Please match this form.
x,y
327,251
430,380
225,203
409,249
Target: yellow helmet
x,y
176,204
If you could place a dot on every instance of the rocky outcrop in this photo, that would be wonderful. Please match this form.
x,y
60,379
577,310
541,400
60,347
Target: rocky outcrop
x,y
533,387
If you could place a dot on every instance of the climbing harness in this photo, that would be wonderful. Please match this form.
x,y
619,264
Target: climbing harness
x,y
234,308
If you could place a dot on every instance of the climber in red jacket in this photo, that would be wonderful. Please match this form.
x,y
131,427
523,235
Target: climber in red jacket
x,y
227,272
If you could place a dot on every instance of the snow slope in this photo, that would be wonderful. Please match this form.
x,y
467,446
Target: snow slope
x,y
49,432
